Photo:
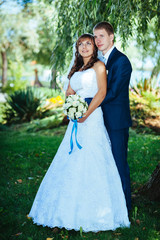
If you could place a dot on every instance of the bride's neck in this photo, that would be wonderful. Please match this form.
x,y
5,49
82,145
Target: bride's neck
x,y
86,60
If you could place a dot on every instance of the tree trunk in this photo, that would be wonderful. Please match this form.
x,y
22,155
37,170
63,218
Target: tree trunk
x,y
37,83
4,69
53,80
152,188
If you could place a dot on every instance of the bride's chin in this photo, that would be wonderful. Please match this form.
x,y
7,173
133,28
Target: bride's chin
x,y
86,56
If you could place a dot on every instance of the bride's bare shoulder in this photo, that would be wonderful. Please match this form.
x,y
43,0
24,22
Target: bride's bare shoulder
x,y
99,66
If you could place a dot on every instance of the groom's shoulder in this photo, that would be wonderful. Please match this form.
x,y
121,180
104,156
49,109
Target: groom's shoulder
x,y
119,54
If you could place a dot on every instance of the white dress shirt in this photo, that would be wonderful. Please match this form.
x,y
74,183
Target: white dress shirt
x,y
104,58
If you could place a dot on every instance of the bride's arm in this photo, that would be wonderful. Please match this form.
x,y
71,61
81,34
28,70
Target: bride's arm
x,y
100,69
69,91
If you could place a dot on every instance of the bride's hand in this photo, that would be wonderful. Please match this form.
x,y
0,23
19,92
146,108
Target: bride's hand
x,y
81,120
70,91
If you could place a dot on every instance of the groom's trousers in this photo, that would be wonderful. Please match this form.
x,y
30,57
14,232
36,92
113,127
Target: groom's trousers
x,y
119,143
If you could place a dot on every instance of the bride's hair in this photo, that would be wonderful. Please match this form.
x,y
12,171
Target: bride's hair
x,y
78,62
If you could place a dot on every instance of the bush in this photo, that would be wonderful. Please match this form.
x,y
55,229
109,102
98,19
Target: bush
x,y
152,99
50,93
144,111
32,103
46,123
23,105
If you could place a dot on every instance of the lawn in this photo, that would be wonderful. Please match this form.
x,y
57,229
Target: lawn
x,y
25,157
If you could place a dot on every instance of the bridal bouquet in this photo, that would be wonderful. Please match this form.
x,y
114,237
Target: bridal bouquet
x,y
75,106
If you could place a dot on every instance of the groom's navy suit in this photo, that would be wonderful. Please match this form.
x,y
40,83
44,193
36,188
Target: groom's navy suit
x,y
116,113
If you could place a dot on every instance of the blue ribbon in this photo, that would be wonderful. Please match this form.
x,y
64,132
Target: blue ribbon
x,y
75,127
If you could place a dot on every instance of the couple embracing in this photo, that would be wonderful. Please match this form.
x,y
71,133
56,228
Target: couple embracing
x,y
90,188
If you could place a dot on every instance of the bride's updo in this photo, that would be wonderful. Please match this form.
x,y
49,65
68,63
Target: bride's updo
x,y
78,62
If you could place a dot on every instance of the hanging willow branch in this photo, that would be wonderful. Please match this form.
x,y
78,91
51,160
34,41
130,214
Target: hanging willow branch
x,y
128,17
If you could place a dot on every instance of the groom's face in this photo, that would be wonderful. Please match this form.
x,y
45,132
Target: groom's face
x,y
103,40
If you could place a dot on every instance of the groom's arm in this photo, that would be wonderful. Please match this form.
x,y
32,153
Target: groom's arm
x,y
121,74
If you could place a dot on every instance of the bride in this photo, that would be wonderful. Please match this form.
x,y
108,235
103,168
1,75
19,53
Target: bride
x,y
83,189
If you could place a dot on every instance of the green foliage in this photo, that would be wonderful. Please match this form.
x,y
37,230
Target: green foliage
x,y
15,83
147,92
150,85
25,159
49,93
17,34
152,99
32,103
151,47
127,17
27,34
46,123
135,214
23,105
145,108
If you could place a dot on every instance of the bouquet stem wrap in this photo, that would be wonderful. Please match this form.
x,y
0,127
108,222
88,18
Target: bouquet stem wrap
x,y
75,127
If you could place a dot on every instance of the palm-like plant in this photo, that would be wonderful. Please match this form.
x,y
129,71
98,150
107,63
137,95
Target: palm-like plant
x,y
24,104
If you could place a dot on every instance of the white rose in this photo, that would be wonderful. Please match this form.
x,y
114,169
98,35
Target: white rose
x,y
78,114
72,97
65,106
84,110
75,103
80,107
75,97
82,100
72,110
71,116
69,99
69,104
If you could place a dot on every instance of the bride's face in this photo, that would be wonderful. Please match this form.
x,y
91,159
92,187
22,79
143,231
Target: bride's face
x,y
85,47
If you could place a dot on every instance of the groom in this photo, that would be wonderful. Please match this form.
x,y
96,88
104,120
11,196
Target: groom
x,y
115,106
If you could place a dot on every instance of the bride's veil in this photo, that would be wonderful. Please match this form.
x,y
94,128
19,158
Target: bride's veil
x,y
66,80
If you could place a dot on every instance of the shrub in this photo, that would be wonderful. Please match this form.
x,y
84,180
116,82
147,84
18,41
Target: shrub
x,y
50,93
23,105
31,103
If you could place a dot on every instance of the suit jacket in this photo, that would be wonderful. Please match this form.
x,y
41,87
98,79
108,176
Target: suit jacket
x,y
115,106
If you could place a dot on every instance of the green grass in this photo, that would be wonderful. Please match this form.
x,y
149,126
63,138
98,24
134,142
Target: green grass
x,y
25,158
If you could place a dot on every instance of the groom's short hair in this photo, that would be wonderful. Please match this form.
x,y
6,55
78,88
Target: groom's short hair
x,y
104,25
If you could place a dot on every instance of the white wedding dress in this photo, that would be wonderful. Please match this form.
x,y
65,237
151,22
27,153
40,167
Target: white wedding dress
x,y
82,189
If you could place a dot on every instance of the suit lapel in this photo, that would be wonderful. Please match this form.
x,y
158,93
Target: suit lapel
x,y
111,56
